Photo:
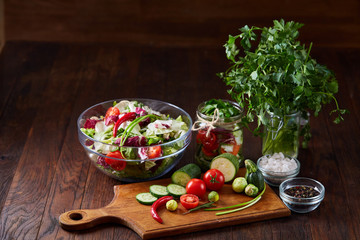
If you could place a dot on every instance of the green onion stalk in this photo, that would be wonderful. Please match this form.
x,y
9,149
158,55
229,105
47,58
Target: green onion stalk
x,y
130,127
242,206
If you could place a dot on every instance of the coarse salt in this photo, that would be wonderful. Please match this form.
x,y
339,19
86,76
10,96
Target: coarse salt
x,y
278,163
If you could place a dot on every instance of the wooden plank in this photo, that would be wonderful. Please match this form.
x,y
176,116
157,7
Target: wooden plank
x,y
341,137
177,23
326,149
24,71
124,209
28,193
2,25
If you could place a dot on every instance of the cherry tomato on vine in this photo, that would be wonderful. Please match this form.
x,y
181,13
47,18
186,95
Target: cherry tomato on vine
x,y
189,201
197,187
115,164
112,111
214,179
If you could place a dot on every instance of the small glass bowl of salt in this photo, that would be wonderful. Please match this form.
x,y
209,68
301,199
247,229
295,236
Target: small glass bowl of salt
x,y
277,167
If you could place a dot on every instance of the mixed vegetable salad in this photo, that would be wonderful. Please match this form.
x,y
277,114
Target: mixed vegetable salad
x,y
133,131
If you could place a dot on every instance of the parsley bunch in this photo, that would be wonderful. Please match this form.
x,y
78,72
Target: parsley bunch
x,y
278,75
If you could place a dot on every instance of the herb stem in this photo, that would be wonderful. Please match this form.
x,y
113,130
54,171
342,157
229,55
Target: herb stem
x,y
308,53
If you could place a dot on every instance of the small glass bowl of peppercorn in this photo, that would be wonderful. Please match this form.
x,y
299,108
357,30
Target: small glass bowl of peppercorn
x,y
301,195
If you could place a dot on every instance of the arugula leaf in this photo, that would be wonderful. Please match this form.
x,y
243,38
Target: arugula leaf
x,y
277,75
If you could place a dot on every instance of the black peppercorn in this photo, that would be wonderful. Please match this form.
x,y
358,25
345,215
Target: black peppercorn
x,y
302,191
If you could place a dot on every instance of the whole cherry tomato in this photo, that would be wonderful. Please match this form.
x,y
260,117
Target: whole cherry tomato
x,y
197,187
214,179
189,201
115,164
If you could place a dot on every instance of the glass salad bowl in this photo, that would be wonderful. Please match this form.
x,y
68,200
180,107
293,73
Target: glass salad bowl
x,y
134,140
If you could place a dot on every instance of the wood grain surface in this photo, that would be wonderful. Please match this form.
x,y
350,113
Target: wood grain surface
x,y
45,172
124,209
179,23
2,25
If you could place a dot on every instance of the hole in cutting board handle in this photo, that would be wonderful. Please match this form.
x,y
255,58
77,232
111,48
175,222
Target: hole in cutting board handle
x,y
76,216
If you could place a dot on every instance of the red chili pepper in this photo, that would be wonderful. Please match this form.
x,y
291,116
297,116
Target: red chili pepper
x,y
160,202
128,116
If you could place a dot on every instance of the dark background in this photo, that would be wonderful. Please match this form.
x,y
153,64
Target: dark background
x,y
181,23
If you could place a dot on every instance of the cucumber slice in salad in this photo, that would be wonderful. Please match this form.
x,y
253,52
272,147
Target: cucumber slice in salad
x,y
226,163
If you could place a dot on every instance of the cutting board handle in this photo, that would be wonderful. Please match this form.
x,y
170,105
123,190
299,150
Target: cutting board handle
x,y
84,218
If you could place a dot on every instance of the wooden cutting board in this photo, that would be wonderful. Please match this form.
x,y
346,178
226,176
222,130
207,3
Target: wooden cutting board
x,y
124,209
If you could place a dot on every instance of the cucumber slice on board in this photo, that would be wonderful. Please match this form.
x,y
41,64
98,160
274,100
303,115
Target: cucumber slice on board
x,y
176,190
226,163
146,198
158,191
185,174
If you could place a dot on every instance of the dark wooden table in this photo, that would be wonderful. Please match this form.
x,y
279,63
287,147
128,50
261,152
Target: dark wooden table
x,y
44,171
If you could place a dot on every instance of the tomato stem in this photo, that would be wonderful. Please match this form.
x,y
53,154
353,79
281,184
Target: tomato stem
x,y
213,179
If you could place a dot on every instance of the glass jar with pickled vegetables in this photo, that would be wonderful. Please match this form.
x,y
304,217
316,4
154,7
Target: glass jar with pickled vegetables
x,y
218,130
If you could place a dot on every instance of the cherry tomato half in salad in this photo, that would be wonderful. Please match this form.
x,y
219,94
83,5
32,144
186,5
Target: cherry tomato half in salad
x,y
214,179
154,152
197,187
189,201
117,165
112,111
